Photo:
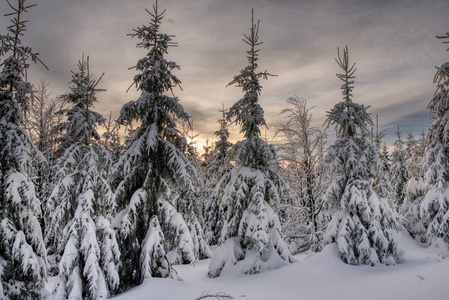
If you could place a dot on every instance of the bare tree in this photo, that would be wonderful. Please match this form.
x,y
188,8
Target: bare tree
x,y
40,120
301,153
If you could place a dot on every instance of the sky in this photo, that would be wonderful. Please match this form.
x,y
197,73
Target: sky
x,y
392,43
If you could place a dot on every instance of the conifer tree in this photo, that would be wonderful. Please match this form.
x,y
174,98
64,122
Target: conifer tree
x,y
435,207
412,161
398,170
252,231
150,229
360,226
217,177
23,257
220,161
188,201
415,188
81,204
382,182
415,191
111,140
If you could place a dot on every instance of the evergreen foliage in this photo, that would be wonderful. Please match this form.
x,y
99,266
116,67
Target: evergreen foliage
x,y
251,231
81,122
111,139
415,149
435,207
23,257
415,191
218,168
382,182
398,170
360,226
153,167
81,204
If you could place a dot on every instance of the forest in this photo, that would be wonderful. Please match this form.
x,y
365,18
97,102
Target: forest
x,y
101,205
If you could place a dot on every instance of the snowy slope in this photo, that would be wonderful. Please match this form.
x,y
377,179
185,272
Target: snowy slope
x,y
423,274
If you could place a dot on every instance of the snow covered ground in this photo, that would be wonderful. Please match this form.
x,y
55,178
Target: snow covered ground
x,y
423,274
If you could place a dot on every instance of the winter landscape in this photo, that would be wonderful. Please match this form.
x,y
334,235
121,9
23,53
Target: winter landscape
x,y
130,207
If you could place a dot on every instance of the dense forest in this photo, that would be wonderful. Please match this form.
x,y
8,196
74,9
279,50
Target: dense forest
x,y
103,204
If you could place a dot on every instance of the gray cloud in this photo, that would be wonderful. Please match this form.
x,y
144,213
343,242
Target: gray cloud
x,y
392,43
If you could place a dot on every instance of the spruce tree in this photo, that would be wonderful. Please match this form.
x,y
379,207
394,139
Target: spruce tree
x,y
218,168
23,257
435,207
382,182
111,139
360,226
414,189
398,170
153,167
188,201
81,204
412,161
252,231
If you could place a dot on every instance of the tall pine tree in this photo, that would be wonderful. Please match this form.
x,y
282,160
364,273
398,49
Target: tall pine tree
x,y
153,235
23,262
82,203
252,231
360,226
435,207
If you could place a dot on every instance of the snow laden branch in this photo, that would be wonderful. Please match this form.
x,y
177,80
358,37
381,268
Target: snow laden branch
x,y
361,227
23,256
435,206
155,180
251,233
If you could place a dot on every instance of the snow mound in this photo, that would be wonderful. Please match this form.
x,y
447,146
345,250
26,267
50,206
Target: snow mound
x,y
422,274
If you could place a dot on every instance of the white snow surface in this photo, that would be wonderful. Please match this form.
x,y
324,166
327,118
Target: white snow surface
x,y
422,274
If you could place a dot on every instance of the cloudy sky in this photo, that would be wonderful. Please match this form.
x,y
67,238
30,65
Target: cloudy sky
x,y
392,43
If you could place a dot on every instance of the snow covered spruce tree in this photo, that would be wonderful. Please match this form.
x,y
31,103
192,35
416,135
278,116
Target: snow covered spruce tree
x,y
382,183
398,170
435,207
415,188
252,231
217,177
152,234
189,201
23,261
360,226
82,203
415,191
